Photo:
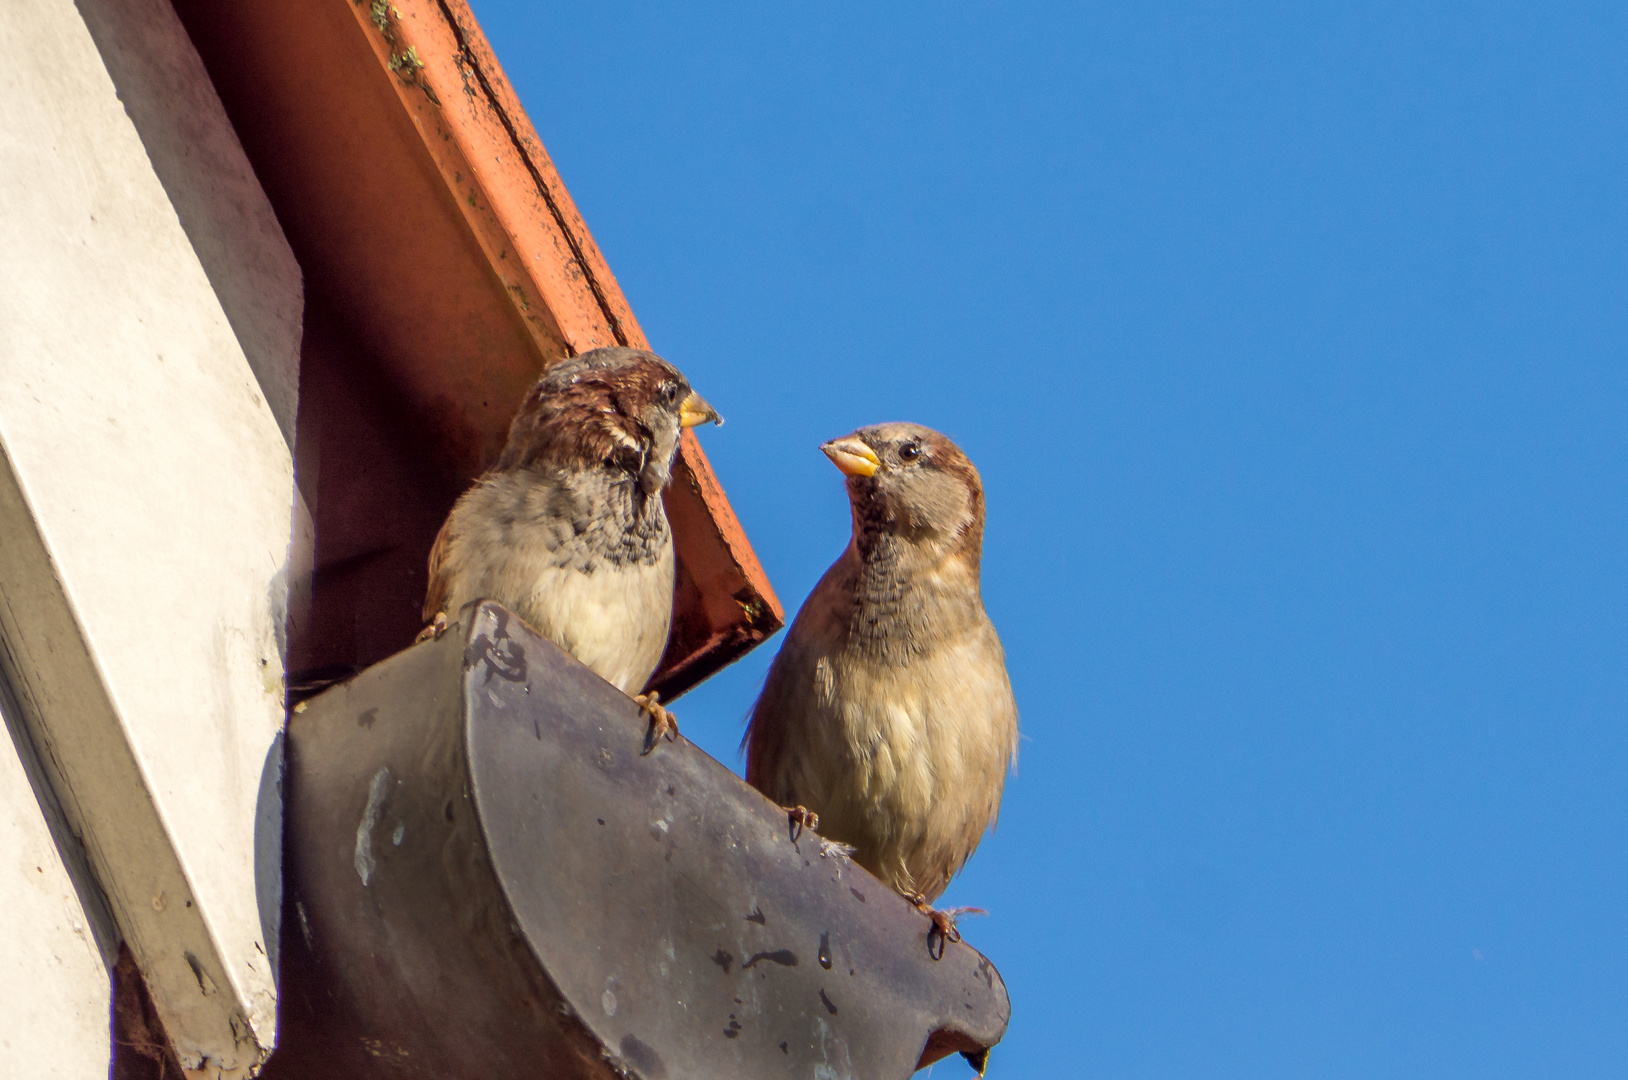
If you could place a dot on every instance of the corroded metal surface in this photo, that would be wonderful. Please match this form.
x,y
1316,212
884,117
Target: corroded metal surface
x,y
486,878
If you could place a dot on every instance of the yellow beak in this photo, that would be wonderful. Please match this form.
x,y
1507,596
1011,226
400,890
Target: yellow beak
x,y
853,457
695,410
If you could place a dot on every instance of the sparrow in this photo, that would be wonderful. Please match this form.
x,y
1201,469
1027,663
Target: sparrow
x,y
568,530
887,719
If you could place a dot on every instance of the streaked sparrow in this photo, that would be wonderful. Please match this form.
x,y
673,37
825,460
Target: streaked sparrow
x,y
567,530
887,719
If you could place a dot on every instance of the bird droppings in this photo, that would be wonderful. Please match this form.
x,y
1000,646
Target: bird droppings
x,y
784,1049
733,1031
830,1006
825,950
723,960
783,957
366,719
757,916
832,849
363,858
658,830
607,1001
600,820
305,922
396,837
857,894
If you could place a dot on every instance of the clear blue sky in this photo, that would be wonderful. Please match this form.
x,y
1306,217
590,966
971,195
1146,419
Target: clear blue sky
x,y
1290,343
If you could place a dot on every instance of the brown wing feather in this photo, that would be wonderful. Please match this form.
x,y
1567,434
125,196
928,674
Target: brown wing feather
x,y
435,597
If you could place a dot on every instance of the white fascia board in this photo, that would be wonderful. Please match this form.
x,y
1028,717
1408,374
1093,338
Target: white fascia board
x,y
55,995
146,491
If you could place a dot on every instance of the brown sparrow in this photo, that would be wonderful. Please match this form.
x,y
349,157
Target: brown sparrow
x,y
887,719
567,530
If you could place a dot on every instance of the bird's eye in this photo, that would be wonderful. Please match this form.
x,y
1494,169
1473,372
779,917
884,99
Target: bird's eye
x,y
909,452
669,392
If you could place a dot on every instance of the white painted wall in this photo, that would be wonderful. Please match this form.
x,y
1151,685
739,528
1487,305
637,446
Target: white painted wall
x,y
148,364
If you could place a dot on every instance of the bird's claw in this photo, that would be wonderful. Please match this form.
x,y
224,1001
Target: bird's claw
x,y
800,817
943,929
433,629
662,722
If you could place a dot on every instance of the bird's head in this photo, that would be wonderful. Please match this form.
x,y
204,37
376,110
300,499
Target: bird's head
x,y
621,409
912,483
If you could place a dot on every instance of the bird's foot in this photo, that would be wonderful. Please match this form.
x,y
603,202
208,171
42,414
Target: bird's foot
x,y
434,629
944,927
942,930
799,817
662,722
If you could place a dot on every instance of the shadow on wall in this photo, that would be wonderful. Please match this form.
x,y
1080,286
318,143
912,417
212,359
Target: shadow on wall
x,y
268,853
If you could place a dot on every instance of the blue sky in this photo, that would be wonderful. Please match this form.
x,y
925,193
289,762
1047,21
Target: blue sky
x,y
1290,343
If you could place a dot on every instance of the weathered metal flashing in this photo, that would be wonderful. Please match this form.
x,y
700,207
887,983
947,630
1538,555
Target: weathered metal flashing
x,y
489,878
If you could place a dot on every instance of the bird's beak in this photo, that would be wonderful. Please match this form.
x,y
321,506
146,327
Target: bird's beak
x,y
695,410
853,457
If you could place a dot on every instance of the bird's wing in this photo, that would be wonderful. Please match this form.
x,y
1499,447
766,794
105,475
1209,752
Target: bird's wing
x,y
787,696
785,704
765,731
435,597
